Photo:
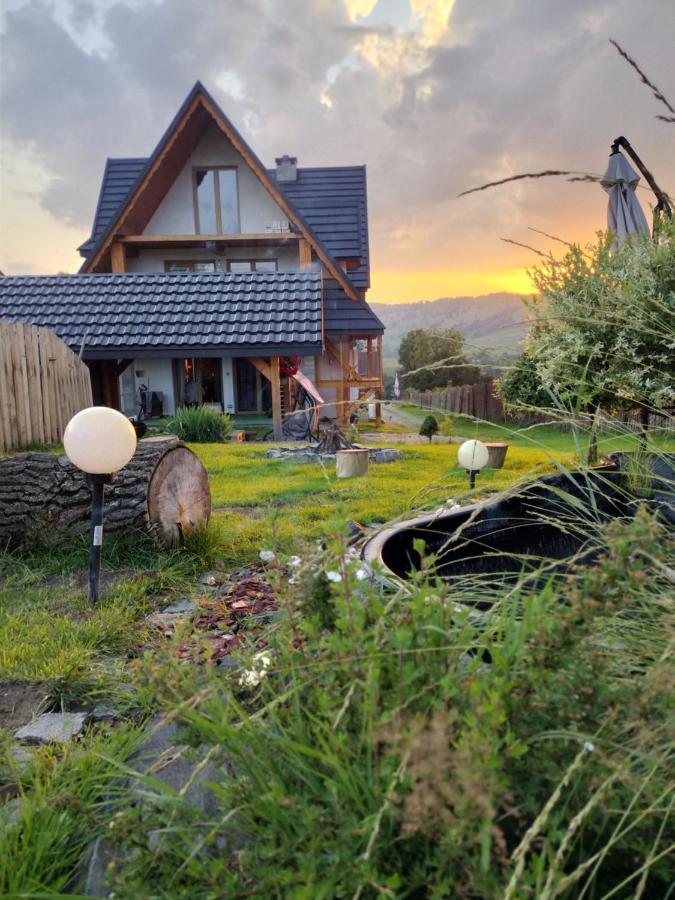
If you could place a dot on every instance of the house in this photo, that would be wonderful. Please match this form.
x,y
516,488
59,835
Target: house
x,y
205,271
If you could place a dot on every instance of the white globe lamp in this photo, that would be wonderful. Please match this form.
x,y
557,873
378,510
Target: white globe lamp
x,y
100,441
473,456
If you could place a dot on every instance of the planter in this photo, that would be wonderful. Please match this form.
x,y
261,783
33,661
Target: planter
x,y
497,454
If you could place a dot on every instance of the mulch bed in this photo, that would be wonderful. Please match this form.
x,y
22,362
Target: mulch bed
x,y
233,613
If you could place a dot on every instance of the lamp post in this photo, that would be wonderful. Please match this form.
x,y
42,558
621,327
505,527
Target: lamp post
x,y
100,441
473,456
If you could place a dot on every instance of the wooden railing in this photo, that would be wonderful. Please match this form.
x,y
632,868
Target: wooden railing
x,y
42,385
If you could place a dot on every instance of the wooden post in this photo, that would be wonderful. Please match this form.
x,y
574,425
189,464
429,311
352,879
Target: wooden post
x,y
342,391
275,380
378,405
118,261
305,251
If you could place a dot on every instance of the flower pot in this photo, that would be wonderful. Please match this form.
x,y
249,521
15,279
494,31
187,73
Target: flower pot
x,y
496,454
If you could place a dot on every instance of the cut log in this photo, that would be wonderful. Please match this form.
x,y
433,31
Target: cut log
x,y
351,463
164,491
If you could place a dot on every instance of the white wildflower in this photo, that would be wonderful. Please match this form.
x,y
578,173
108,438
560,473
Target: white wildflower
x,y
589,747
361,574
253,677
335,577
295,561
267,555
293,580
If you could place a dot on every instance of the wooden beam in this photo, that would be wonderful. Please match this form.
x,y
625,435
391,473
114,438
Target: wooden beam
x,y
118,261
378,405
262,366
305,252
276,398
163,240
361,383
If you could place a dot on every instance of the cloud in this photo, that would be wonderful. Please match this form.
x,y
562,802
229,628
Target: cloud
x,y
454,94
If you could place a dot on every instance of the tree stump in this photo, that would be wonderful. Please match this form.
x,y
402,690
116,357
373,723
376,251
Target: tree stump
x,y
351,463
163,491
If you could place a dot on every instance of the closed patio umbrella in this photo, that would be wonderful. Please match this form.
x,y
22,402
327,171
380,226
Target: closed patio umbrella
x,y
624,213
397,387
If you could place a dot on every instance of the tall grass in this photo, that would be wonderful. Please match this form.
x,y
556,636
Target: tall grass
x,y
404,745
200,424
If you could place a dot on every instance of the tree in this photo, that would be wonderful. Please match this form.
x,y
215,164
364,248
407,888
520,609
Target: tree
x,y
521,385
603,332
429,427
435,359
603,329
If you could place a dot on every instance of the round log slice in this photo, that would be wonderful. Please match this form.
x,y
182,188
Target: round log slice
x,y
178,495
163,491
351,463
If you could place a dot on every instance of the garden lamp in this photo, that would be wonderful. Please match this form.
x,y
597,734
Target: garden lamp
x,y
100,441
473,456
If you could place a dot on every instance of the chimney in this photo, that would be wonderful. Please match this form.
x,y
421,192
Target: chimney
x,y
287,168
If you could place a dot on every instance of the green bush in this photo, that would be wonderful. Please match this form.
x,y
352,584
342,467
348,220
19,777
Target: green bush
x,y
429,427
446,427
200,424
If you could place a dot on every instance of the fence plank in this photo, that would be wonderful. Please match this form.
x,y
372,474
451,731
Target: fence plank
x,y
42,385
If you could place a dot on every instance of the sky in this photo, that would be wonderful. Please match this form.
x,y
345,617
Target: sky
x,y
434,96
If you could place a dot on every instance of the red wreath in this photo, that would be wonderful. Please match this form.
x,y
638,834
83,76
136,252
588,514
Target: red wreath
x,y
289,365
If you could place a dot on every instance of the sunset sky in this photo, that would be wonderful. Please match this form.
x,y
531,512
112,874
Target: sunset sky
x,y
435,96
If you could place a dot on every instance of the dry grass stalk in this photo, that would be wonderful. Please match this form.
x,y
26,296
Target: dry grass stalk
x,y
643,78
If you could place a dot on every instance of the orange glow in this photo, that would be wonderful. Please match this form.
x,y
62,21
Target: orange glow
x,y
407,287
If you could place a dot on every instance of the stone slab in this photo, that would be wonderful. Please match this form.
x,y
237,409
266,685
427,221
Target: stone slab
x,y
51,728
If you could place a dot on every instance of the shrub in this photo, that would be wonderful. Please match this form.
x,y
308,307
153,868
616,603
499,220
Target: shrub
x,y
200,424
429,427
446,427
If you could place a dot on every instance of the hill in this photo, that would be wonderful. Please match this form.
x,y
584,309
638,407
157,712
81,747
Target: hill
x,y
494,323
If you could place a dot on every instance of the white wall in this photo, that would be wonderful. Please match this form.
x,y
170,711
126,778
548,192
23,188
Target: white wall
x,y
175,214
153,260
157,375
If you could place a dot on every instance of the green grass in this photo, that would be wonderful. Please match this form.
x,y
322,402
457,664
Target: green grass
x,y
551,438
333,800
302,502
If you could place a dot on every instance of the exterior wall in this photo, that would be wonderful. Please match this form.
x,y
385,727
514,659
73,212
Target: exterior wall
x,y
153,260
157,374
175,214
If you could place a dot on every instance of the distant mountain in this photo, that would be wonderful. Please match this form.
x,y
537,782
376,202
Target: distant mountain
x,y
494,322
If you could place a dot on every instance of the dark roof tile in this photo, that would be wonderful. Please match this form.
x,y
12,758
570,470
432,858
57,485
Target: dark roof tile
x,y
139,312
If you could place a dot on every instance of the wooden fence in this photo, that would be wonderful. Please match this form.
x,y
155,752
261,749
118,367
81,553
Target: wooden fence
x,y
477,400
42,385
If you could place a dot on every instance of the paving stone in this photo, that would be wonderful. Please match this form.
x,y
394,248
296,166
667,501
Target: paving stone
x,y
384,455
180,606
53,728
105,711
10,812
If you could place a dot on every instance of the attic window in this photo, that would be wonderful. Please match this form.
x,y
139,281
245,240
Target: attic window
x,y
216,200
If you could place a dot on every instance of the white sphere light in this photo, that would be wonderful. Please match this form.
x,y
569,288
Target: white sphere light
x,y
99,440
473,456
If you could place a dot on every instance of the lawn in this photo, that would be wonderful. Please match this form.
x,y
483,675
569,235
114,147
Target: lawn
x,y
259,502
334,803
550,438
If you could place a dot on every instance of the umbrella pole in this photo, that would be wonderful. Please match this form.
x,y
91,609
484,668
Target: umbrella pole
x,y
663,205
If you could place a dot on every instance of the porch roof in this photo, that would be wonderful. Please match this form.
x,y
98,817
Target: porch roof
x,y
162,314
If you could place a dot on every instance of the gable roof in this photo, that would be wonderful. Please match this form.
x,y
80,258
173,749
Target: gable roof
x,y
159,314
197,111
332,200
